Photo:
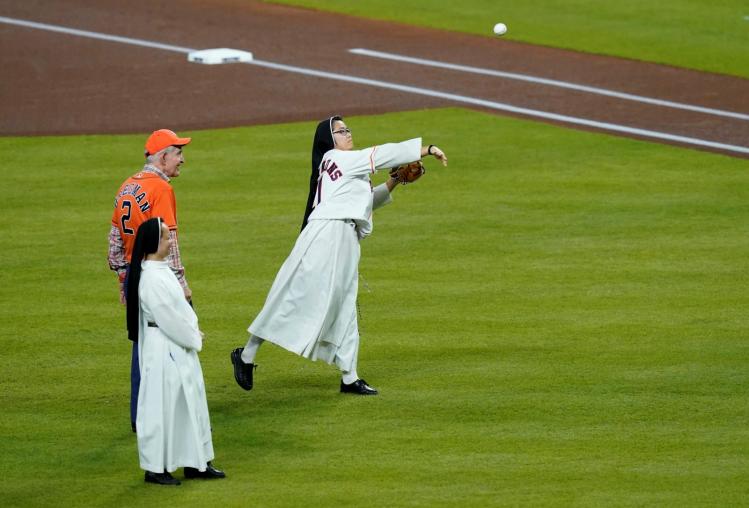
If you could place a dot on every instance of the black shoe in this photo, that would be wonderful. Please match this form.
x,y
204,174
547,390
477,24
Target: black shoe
x,y
358,387
161,478
210,472
242,371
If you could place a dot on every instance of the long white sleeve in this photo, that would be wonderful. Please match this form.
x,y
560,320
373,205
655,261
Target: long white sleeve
x,y
356,163
394,154
163,302
176,327
381,196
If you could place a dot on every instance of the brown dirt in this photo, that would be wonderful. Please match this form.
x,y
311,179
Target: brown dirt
x,y
56,83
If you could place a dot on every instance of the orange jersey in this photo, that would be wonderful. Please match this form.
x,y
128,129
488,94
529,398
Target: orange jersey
x,y
142,196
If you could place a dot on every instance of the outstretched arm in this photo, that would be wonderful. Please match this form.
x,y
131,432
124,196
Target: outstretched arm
x,y
432,150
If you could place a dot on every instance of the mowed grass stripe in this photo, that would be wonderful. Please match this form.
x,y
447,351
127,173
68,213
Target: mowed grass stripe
x,y
555,318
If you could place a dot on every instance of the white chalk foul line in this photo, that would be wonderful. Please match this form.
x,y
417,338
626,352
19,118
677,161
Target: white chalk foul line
x,y
503,107
94,35
402,88
549,82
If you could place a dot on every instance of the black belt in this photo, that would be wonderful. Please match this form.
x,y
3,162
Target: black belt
x,y
152,325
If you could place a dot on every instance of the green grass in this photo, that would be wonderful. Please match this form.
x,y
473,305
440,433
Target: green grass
x,y
558,318
698,34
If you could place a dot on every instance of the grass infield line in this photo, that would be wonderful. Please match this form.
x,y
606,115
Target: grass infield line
x,y
499,106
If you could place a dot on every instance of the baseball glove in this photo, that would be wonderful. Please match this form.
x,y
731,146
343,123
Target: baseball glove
x,y
408,173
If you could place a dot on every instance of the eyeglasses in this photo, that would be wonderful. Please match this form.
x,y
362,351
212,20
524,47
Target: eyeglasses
x,y
343,132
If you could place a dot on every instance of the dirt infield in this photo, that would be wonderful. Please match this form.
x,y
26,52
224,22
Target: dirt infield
x,y
57,83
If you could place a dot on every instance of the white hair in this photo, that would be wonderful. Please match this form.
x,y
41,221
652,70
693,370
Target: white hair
x,y
150,159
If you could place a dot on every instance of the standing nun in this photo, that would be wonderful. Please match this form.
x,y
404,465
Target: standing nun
x,y
173,426
311,307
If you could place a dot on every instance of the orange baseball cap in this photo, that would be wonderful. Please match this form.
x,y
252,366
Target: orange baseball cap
x,y
162,138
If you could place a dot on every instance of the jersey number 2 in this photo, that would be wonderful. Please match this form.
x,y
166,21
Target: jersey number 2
x,y
126,217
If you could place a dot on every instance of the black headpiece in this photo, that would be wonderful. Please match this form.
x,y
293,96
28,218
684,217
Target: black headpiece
x,y
322,143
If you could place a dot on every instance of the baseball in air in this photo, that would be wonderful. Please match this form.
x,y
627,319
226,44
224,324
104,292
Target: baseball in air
x,y
500,29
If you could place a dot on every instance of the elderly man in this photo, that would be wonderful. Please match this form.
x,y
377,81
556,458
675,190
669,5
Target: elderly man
x,y
144,195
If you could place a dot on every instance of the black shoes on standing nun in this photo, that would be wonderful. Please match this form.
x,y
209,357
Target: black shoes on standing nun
x,y
161,478
209,473
190,472
358,387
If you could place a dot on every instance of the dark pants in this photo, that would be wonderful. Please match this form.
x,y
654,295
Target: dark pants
x,y
134,383
134,371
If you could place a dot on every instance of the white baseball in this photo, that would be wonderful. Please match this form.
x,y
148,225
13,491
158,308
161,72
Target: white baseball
x,y
500,28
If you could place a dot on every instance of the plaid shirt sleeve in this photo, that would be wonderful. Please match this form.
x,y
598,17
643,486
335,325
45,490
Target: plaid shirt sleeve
x,y
175,261
116,256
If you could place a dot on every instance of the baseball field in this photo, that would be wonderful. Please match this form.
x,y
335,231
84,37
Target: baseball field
x,y
555,319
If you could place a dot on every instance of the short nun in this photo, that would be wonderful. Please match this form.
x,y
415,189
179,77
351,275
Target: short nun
x,y
173,426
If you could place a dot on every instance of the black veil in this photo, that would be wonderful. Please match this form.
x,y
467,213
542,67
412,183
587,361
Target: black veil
x,y
146,242
322,143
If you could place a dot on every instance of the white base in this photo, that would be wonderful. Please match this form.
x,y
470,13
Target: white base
x,y
219,56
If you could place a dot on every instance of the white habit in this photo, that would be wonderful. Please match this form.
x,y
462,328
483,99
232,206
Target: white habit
x,y
173,426
311,307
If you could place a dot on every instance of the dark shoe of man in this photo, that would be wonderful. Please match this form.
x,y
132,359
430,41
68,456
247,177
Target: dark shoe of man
x,y
161,478
209,473
358,387
242,371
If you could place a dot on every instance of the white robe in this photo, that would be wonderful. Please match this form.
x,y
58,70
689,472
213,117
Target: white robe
x,y
311,307
173,426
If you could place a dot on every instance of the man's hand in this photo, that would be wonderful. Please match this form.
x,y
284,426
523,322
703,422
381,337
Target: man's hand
x,y
123,301
188,294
